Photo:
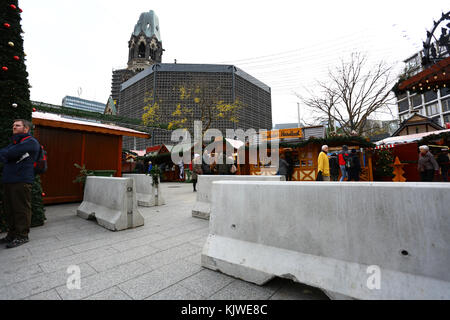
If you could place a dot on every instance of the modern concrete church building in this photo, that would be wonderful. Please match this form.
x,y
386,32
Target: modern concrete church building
x,y
146,77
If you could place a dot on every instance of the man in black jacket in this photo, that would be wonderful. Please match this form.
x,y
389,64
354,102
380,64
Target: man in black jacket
x,y
17,179
444,162
334,167
355,167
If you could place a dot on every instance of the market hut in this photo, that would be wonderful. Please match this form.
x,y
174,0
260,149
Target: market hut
x,y
68,141
406,148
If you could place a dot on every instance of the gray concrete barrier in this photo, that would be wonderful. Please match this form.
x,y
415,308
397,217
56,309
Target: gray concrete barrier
x,y
147,195
112,201
202,207
366,240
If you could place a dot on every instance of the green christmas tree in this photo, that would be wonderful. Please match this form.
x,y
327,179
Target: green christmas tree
x,y
15,93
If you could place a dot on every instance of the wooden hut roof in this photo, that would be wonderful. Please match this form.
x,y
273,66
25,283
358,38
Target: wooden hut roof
x,y
57,121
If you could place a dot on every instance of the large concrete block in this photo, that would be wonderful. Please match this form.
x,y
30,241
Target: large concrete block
x,y
366,240
202,207
147,194
112,201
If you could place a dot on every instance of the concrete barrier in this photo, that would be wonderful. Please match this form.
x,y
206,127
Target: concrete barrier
x,y
363,240
112,201
147,195
202,207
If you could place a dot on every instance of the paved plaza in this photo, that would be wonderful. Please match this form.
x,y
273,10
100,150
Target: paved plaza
x,y
160,260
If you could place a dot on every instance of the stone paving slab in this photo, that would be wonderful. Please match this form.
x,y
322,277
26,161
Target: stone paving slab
x,y
160,260
103,280
40,283
113,293
176,292
47,295
162,278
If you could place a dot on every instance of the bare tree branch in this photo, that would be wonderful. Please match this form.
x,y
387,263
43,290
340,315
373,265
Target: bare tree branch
x,y
355,92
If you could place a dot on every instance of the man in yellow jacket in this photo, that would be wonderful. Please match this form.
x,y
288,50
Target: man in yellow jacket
x,y
324,166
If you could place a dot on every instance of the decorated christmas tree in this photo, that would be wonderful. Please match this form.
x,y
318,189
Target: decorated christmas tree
x,y
15,93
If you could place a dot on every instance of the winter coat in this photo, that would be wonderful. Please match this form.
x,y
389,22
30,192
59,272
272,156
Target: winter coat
x,y
427,162
334,166
19,158
342,157
283,167
356,165
443,160
323,164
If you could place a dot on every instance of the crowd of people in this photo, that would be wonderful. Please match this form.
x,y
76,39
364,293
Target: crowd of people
x,y
346,162
212,165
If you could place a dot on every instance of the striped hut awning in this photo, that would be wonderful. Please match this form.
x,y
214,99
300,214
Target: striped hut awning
x,y
385,146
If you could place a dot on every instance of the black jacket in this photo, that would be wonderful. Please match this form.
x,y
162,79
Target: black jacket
x,y
334,165
356,168
19,158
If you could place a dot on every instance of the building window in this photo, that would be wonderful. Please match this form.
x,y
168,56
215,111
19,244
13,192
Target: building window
x,y
445,92
446,105
446,118
437,120
430,96
416,100
432,109
401,96
403,105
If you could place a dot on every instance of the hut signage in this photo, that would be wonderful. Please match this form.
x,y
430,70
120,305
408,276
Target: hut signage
x,y
282,134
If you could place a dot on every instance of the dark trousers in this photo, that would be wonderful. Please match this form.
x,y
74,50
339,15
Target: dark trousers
x,y
194,182
427,175
17,208
289,176
353,175
444,171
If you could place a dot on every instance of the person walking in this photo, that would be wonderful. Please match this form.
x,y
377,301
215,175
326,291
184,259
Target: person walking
x,y
196,170
334,167
444,162
354,168
323,165
17,179
427,165
290,162
283,167
343,156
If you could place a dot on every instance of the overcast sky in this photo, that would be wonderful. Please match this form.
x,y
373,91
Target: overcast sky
x,y
75,44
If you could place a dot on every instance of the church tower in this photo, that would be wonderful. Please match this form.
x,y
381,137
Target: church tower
x,y
145,46
144,50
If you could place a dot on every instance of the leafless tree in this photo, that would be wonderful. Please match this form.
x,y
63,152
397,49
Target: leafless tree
x,y
353,92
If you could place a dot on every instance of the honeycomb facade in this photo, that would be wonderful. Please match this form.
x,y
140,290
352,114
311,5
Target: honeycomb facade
x,y
161,82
